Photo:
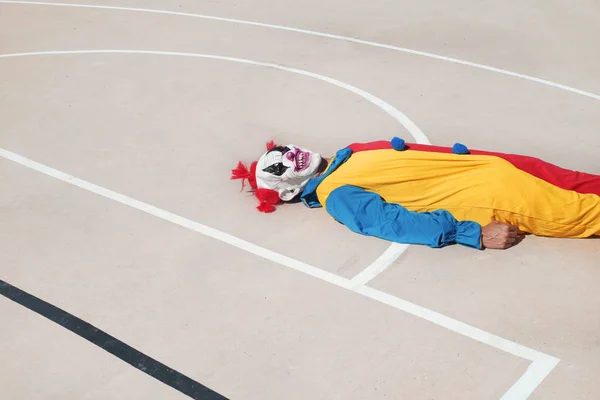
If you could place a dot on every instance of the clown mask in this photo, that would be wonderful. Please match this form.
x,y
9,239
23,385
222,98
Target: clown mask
x,y
287,170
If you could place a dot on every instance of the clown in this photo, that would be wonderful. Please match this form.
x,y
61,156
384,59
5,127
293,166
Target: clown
x,y
430,195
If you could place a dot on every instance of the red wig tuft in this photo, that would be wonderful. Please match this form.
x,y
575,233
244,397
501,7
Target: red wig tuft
x,y
271,145
268,199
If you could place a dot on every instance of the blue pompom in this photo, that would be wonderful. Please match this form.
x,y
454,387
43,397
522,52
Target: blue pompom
x,y
460,148
398,144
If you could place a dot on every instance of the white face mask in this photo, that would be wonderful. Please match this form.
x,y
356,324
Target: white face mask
x,y
287,170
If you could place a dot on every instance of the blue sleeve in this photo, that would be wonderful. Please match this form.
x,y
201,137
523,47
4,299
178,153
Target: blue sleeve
x,y
367,213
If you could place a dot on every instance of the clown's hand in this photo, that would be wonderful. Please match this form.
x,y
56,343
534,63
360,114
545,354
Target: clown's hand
x,y
499,236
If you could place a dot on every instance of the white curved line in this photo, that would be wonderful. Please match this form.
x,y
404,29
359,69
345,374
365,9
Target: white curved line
x,y
329,36
399,116
381,264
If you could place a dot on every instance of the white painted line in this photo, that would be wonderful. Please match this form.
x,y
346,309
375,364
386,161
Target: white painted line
x,y
326,35
541,365
412,128
453,325
381,264
177,220
399,116
394,251
540,368
531,379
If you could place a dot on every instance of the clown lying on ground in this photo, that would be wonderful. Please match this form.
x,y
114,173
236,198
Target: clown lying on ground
x,y
429,195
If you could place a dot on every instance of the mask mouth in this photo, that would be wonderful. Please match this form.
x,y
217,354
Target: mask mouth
x,y
300,159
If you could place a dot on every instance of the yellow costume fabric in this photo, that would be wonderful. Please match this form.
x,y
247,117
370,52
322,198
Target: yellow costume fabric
x,y
476,188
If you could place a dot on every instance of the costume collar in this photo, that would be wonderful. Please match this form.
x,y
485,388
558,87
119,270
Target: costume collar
x,y
309,196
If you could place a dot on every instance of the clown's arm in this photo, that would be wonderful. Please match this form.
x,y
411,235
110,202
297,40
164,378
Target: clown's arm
x,y
367,213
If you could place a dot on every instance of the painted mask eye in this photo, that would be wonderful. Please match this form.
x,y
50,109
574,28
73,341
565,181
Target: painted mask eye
x,y
277,169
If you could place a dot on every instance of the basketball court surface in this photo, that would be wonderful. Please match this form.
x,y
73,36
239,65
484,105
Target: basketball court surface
x,y
132,267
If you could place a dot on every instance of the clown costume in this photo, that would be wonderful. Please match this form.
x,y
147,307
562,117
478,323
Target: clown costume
x,y
429,195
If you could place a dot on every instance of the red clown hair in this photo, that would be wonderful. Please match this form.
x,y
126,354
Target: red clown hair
x,y
267,198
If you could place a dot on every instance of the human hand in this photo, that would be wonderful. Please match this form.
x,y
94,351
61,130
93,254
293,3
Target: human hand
x,y
499,236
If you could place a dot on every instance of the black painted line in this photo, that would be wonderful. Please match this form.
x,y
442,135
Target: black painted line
x,y
114,346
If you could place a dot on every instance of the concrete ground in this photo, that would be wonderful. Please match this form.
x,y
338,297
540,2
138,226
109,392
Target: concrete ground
x,y
278,306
